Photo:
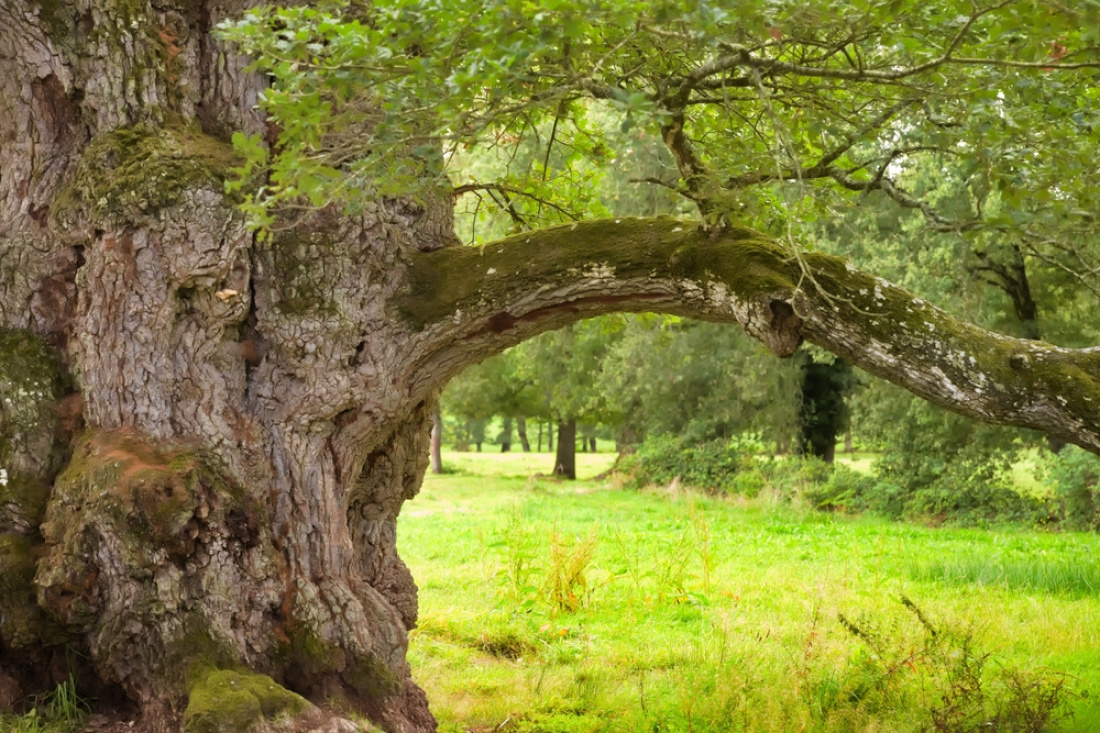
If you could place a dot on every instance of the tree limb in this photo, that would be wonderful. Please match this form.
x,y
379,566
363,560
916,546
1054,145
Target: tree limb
x,y
466,303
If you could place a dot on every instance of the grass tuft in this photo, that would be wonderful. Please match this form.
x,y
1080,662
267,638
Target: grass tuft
x,y
1034,574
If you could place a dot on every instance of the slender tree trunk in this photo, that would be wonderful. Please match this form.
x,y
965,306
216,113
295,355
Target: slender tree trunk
x,y
550,436
540,435
848,440
506,436
521,429
592,444
565,460
627,440
437,439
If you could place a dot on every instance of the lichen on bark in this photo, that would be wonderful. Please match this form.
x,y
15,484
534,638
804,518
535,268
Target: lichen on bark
x,y
130,174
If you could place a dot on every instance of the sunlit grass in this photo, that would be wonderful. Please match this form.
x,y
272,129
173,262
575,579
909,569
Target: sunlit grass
x,y
1072,576
705,614
522,465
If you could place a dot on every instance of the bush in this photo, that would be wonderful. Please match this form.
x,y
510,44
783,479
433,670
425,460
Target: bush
x,y
955,499
1075,472
713,466
843,489
968,489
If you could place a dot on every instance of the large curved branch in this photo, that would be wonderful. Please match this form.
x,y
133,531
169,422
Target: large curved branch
x,y
468,303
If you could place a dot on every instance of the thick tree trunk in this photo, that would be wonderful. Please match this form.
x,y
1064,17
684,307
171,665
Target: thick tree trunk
x,y
565,460
232,503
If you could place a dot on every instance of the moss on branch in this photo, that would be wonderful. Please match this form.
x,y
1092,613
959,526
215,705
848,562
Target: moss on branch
x,y
460,278
673,266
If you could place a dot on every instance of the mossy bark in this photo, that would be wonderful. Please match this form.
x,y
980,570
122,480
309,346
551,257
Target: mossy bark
x,y
474,301
232,503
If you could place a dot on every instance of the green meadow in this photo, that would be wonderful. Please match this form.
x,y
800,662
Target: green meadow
x,y
575,607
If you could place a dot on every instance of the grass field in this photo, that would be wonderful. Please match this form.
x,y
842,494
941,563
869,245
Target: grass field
x,y
575,606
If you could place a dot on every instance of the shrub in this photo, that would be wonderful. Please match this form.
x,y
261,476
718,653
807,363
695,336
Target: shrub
x,y
965,501
1074,472
712,466
841,489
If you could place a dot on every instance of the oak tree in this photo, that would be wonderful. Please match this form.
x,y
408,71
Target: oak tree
x,y
213,403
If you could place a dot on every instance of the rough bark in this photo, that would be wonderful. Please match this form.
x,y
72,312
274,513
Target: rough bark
x,y
230,510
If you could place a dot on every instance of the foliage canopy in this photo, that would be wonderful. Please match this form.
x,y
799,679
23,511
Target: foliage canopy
x,y
830,95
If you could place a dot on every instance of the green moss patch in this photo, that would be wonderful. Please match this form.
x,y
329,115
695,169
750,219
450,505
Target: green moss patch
x,y
30,385
227,701
457,278
134,172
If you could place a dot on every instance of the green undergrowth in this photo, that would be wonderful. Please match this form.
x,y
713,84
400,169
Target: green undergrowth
x,y
562,607
60,711
974,488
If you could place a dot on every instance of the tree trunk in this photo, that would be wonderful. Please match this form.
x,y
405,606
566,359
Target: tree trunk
x,y
824,411
550,436
565,460
217,545
437,440
627,441
539,440
521,430
230,510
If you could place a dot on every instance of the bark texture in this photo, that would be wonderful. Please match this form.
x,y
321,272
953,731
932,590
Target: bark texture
x,y
231,505
206,441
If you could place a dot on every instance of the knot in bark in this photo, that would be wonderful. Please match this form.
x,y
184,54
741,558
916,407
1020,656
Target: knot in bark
x,y
774,322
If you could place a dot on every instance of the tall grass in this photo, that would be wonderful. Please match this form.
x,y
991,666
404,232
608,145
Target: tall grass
x,y
59,711
1036,574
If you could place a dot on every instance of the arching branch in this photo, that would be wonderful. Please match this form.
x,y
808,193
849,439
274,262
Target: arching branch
x,y
468,303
